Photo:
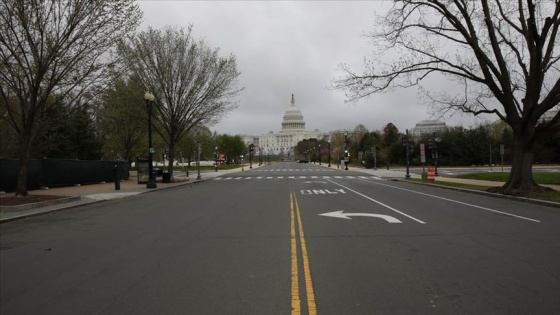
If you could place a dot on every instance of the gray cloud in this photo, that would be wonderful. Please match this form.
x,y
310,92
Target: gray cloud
x,y
285,47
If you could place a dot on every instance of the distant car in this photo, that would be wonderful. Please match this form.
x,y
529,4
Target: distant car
x,y
303,161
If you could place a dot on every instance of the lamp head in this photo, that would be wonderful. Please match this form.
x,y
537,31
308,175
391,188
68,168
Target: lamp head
x,y
149,96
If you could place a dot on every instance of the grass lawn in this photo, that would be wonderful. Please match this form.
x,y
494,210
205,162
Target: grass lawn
x,y
540,178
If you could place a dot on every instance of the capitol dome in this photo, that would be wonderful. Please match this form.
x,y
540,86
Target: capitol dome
x,y
293,119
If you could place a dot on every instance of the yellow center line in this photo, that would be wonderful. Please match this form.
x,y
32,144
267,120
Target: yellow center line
x,y
311,306
296,303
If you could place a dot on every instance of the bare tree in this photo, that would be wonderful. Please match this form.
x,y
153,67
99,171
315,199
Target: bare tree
x,y
504,55
192,84
52,51
198,137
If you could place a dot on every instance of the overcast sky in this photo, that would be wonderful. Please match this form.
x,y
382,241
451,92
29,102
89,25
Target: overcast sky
x,y
285,47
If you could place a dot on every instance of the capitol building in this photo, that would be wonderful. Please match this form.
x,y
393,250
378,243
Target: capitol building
x,y
283,142
293,131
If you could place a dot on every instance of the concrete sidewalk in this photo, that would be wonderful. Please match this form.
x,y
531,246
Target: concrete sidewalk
x,y
79,195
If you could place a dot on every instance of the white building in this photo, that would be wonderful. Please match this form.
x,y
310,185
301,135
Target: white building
x,y
283,142
427,127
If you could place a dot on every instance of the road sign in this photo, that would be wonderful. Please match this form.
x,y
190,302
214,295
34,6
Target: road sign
x,y
439,139
422,153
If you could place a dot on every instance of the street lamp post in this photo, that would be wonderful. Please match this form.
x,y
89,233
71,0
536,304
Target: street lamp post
x,y
251,149
346,151
313,154
216,159
329,151
198,163
149,97
319,154
406,144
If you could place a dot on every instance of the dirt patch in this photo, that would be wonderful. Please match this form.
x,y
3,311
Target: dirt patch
x,y
18,201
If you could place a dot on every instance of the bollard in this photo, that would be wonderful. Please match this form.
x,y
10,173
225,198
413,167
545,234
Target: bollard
x,y
424,177
117,176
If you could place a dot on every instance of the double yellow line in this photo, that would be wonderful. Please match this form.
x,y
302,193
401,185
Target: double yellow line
x,y
295,234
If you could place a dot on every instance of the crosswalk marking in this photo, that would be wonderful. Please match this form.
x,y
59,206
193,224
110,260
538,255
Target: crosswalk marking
x,y
296,177
295,170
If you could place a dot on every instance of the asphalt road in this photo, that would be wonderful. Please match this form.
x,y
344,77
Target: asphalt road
x,y
284,239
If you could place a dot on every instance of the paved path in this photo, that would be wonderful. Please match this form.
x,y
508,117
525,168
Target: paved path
x,y
86,194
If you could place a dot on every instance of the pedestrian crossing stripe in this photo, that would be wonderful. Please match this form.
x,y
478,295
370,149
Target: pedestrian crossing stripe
x,y
296,177
295,170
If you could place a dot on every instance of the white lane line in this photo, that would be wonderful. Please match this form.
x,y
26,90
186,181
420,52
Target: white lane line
x,y
459,202
378,202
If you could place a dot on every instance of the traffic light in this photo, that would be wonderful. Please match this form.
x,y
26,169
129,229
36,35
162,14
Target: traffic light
x,y
431,144
346,153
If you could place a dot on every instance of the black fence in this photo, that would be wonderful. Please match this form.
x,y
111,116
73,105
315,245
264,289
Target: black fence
x,y
58,172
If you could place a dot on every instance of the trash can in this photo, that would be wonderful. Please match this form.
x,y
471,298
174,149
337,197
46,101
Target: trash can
x,y
166,177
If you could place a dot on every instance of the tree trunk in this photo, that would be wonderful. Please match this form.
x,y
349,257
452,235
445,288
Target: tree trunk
x,y
520,180
21,184
171,161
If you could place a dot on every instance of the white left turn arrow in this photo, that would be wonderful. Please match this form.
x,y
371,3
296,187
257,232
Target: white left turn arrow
x,y
341,215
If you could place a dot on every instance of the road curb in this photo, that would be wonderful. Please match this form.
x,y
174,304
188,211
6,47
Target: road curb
x,y
39,204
